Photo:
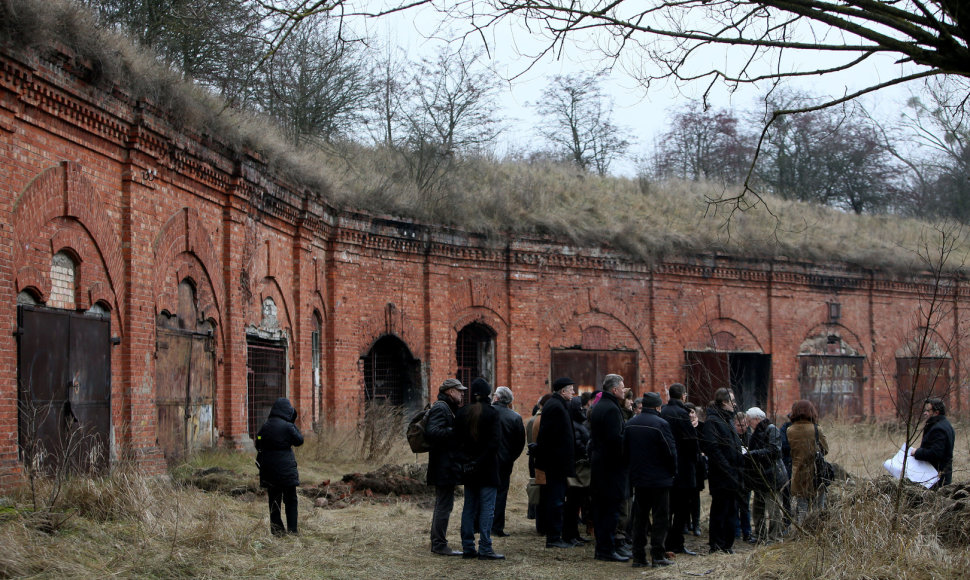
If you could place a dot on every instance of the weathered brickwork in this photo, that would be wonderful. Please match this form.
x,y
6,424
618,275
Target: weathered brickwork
x,y
140,208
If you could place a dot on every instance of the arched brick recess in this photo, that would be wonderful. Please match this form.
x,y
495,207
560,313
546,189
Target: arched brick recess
x,y
30,277
270,288
843,332
183,233
64,192
936,346
744,339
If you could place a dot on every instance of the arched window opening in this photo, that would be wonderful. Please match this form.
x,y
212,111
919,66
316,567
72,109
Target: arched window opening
x,y
392,375
475,354
316,362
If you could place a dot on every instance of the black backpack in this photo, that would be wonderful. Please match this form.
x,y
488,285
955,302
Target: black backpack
x,y
417,438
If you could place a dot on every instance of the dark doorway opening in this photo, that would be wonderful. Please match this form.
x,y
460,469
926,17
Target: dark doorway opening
x,y
64,395
392,375
266,378
475,354
747,374
588,368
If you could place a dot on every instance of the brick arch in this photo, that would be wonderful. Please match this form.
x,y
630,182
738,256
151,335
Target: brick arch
x,y
64,192
938,346
482,314
30,278
183,235
271,288
188,266
704,337
824,330
574,328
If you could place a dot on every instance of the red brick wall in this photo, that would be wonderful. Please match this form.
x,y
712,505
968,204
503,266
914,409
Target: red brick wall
x,y
144,207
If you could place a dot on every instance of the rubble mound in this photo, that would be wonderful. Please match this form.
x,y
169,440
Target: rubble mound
x,y
386,485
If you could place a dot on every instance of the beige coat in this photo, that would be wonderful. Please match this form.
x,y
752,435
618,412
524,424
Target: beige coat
x,y
801,438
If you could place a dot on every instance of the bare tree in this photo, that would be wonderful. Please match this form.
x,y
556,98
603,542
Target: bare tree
x,y
704,144
316,85
936,122
216,42
450,113
833,156
579,124
387,97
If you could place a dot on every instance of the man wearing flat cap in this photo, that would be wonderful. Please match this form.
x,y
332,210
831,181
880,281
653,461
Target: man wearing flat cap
x,y
649,444
443,462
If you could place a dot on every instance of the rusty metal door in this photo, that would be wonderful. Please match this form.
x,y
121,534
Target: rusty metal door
x,y
833,383
64,376
588,368
184,392
266,378
918,379
705,373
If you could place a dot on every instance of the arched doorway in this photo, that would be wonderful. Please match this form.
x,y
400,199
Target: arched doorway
x,y
475,354
184,378
392,375
831,374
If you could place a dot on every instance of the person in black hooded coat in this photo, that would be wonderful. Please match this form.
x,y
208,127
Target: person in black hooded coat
x,y
277,464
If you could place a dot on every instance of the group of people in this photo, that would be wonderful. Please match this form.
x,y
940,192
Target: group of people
x,y
630,469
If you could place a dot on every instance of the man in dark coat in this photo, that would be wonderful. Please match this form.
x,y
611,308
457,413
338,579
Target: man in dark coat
x,y
443,462
936,446
609,482
688,454
649,443
478,430
722,445
556,458
510,445
277,464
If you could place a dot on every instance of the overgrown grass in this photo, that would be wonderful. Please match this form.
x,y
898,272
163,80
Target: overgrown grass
x,y
649,221
130,525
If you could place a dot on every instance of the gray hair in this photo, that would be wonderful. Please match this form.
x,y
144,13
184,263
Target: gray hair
x,y
503,395
611,382
756,413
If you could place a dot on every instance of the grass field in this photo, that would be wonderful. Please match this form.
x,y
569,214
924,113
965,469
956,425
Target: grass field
x,y
129,525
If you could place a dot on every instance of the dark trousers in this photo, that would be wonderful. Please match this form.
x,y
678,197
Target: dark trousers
x,y
502,497
695,509
575,498
724,518
444,502
606,514
680,507
287,496
650,510
743,527
554,502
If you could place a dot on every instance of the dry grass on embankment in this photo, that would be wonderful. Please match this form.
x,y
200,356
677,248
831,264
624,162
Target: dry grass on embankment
x,y
129,525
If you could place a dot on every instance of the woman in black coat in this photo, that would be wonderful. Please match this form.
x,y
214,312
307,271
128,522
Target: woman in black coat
x,y
477,429
277,464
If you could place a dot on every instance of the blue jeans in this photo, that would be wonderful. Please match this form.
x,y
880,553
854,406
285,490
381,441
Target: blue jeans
x,y
480,506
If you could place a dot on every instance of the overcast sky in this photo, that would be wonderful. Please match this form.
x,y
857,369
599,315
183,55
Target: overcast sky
x,y
644,112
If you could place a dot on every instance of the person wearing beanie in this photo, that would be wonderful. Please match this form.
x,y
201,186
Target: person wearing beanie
x,y
510,446
443,466
555,457
684,488
478,432
649,444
